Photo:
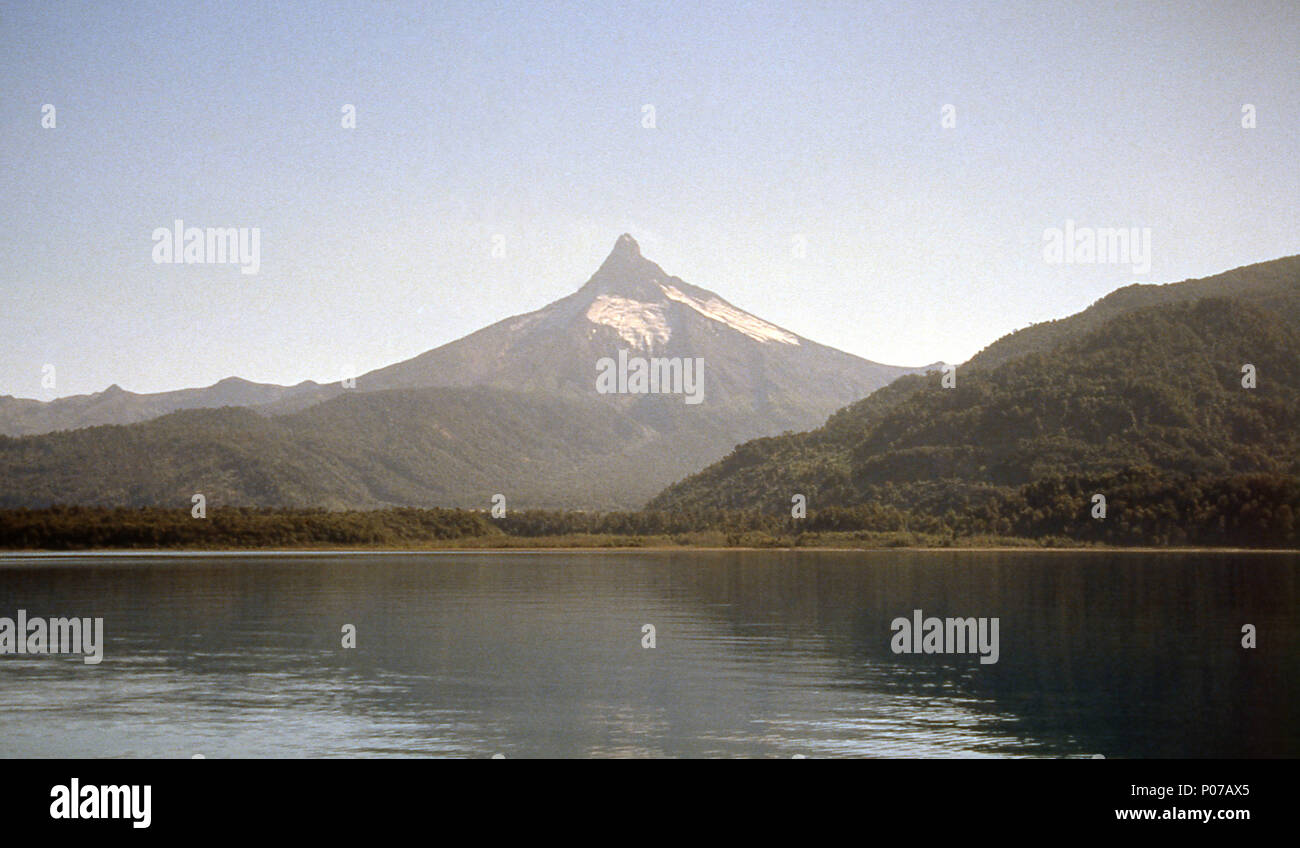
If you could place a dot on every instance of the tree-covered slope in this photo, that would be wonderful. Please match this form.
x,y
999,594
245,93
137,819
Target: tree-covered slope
x,y
416,447
1157,387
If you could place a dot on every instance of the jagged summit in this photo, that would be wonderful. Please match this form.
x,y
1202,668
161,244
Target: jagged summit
x,y
627,245
626,274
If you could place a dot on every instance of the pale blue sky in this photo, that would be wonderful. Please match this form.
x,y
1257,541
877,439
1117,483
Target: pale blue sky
x,y
525,120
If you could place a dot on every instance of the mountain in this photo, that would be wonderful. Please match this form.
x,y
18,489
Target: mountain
x,y
512,409
115,405
427,447
787,381
631,303
1147,381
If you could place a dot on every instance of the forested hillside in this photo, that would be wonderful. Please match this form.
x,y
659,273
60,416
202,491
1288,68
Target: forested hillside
x,y
1150,402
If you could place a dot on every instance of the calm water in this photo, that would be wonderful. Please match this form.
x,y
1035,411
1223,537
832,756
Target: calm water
x,y
757,654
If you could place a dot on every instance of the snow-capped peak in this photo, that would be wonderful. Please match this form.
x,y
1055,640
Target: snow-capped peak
x,y
633,295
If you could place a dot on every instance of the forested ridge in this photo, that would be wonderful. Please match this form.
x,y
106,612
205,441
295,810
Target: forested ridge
x,y
1147,508
1148,409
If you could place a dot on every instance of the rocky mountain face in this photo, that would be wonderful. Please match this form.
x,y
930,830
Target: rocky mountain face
x,y
780,380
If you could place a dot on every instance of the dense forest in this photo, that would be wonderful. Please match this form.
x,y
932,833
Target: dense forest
x,y
1149,409
1144,507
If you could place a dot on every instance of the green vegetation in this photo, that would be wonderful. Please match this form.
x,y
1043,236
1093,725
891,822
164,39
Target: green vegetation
x,y
451,447
80,528
1148,410
1240,517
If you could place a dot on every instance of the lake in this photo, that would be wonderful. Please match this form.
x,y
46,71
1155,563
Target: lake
x,y
755,654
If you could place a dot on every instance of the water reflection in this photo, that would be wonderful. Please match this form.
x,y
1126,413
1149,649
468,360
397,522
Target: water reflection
x,y
758,654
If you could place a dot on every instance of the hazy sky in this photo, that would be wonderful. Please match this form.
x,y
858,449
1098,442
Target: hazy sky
x,y
525,121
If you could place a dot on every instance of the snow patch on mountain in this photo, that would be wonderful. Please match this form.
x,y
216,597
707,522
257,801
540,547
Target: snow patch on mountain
x,y
739,320
639,324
